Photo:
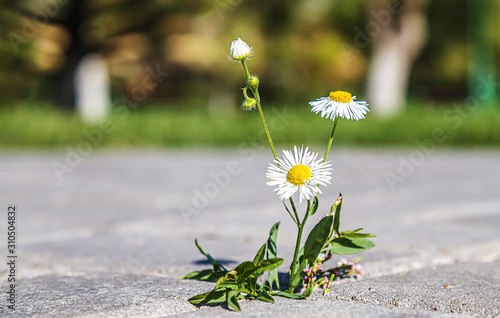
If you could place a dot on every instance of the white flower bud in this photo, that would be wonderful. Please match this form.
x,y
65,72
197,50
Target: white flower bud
x,y
239,50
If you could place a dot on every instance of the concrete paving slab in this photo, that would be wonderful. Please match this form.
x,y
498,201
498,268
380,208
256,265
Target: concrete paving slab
x,y
116,222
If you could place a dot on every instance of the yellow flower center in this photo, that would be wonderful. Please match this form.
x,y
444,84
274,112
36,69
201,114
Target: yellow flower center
x,y
341,96
298,175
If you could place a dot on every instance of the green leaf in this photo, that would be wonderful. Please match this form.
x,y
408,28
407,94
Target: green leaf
x,y
290,213
207,275
264,296
267,265
228,284
308,290
211,297
251,284
317,239
243,267
216,264
272,252
265,287
297,276
244,270
344,245
232,299
287,294
314,206
300,256
336,222
355,234
260,254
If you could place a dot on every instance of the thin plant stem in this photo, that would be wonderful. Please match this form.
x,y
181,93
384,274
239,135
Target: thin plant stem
x,y
257,98
295,211
289,213
331,137
297,248
245,67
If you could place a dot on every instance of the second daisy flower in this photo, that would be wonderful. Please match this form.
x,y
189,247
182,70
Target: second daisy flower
x,y
342,104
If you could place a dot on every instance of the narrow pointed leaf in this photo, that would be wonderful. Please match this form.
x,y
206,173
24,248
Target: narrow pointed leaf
x,y
300,256
290,213
287,294
251,284
265,287
232,299
314,206
212,297
336,221
228,283
208,256
344,245
272,252
355,234
207,275
264,296
260,254
267,265
297,276
244,270
317,239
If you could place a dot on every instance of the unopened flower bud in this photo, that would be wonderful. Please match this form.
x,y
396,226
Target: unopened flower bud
x,y
239,50
308,271
253,81
249,104
326,292
318,267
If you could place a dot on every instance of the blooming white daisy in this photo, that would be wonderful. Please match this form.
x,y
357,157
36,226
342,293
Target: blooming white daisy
x,y
239,50
299,172
340,103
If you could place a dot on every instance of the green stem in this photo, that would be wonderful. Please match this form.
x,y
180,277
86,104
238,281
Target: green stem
x,y
289,213
331,137
295,211
297,249
245,67
257,98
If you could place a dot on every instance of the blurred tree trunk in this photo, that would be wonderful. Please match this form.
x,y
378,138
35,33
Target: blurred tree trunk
x,y
399,33
70,15
64,80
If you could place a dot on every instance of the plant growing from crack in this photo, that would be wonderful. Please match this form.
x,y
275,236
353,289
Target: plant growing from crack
x,y
297,177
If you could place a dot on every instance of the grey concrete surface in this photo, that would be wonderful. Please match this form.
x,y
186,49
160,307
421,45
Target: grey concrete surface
x,y
112,235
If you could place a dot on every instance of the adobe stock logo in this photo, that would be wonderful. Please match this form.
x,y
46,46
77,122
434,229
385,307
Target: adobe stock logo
x,y
201,199
220,180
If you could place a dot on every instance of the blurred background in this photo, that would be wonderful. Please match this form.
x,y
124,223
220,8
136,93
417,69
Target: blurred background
x,y
156,73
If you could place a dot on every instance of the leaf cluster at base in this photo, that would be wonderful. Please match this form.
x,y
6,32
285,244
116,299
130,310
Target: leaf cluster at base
x,y
241,283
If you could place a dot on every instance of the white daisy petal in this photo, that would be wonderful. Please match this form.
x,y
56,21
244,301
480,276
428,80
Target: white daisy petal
x,y
298,173
340,104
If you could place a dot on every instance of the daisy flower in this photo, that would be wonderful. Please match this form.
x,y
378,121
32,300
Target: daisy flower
x,y
299,172
340,103
239,50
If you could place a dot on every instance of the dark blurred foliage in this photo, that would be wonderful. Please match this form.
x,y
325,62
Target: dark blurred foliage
x,y
302,48
441,70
